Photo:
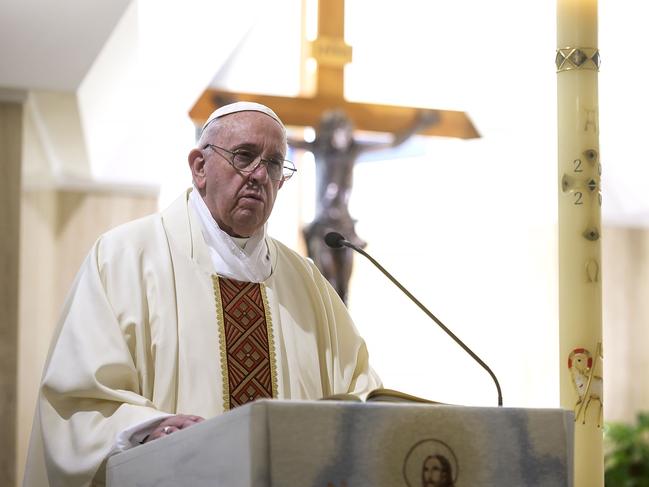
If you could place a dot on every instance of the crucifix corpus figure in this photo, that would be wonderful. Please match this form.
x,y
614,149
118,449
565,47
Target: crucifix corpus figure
x,y
336,150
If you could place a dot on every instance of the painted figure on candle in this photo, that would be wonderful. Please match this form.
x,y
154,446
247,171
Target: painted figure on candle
x,y
589,386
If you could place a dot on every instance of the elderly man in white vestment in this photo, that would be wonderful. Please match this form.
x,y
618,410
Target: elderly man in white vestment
x,y
186,314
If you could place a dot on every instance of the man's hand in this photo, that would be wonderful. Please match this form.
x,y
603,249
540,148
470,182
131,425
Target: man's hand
x,y
171,424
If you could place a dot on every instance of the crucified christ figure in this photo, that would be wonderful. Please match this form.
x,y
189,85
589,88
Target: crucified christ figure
x,y
336,150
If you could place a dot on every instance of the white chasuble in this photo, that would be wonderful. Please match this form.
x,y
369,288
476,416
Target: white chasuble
x,y
142,335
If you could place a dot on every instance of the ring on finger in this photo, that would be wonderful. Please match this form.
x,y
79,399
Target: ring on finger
x,y
166,430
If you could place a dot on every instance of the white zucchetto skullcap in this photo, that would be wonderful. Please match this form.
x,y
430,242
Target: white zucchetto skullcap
x,y
241,106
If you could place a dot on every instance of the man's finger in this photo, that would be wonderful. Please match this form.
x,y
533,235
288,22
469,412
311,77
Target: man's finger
x,y
172,424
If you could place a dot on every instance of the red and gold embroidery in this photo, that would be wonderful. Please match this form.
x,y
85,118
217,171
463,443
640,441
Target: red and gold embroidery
x,y
246,341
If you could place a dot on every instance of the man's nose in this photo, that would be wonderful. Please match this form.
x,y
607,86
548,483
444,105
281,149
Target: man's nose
x,y
260,172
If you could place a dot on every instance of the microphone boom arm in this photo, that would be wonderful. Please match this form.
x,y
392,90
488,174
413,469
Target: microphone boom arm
x,y
428,313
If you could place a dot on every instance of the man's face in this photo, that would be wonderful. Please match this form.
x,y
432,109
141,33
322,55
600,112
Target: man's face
x,y
432,472
342,137
240,202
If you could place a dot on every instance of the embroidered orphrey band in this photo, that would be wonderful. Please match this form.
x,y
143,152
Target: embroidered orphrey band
x,y
223,351
271,341
246,342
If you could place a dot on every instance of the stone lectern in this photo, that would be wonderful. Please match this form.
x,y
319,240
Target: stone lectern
x,y
273,443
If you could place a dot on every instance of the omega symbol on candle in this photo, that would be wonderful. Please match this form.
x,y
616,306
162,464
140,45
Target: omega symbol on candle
x,y
592,267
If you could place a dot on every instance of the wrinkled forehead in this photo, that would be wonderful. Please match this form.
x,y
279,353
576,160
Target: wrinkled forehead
x,y
255,129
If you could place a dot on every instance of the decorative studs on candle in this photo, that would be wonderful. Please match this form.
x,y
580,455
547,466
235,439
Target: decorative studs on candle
x,y
591,155
569,58
570,184
591,234
567,183
584,178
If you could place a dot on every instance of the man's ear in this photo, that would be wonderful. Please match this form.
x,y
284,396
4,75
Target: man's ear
x,y
197,166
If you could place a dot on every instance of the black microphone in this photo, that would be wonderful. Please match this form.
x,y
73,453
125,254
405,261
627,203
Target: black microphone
x,y
336,241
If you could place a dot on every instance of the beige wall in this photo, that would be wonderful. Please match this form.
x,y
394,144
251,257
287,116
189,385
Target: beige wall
x,y
62,212
10,170
57,229
626,322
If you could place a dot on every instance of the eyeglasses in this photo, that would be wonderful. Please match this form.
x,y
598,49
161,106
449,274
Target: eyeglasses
x,y
244,160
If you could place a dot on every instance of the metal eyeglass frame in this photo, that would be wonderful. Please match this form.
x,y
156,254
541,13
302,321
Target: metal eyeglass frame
x,y
287,170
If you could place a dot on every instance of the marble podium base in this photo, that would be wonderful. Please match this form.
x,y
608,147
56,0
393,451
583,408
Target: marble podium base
x,y
336,444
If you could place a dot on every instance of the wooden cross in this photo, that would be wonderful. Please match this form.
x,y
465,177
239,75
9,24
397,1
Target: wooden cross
x,y
331,53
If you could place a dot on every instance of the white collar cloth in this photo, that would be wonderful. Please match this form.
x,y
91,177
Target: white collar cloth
x,y
246,260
